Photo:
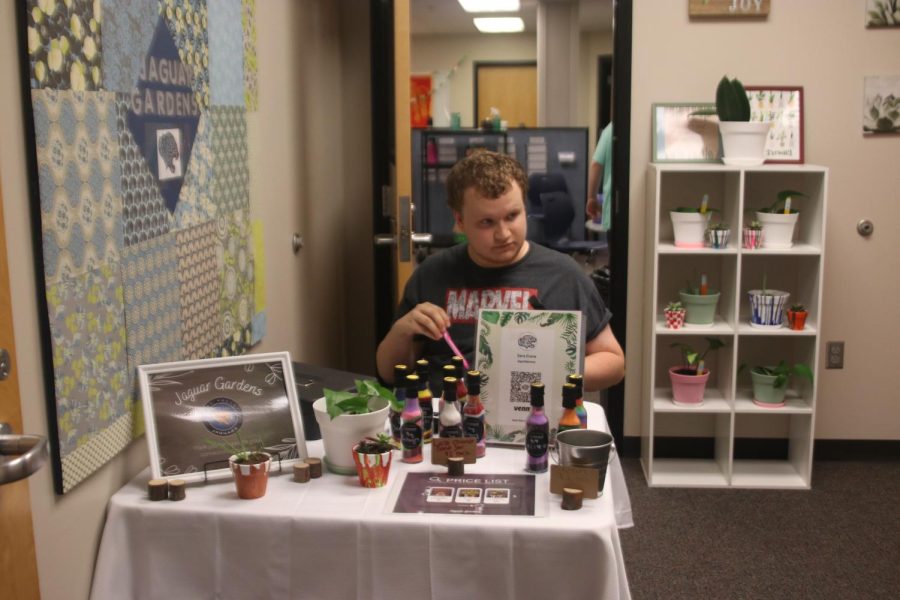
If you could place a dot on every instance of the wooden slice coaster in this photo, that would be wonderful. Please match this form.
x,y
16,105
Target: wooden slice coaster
x,y
157,489
176,489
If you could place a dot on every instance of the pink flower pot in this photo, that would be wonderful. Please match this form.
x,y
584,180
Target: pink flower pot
x,y
688,390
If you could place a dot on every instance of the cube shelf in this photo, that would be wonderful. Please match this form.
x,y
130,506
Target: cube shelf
x,y
729,426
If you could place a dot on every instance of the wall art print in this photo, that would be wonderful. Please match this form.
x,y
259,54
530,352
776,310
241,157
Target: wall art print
x,y
881,105
882,13
142,185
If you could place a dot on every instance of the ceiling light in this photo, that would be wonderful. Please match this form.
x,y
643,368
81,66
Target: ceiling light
x,y
499,24
480,6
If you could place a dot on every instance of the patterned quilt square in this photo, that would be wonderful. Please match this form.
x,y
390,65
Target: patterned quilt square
x,y
251,93
226,53
196,205
87,327
128,28
198,280
188,22
229,146
236,299
64,49
80,181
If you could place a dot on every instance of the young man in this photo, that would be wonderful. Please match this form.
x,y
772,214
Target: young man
x,y
496,268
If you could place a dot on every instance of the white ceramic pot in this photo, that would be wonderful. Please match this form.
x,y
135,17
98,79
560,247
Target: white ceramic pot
x,y
341,434
744,142
767,308
778,229
689,228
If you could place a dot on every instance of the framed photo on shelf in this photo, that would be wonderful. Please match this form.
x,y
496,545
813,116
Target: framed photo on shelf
x,y
196,410
680,136
783,107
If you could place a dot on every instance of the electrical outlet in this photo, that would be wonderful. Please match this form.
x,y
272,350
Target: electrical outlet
x,y
835,358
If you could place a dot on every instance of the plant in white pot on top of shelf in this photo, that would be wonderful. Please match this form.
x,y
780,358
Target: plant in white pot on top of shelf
x,y
779,220
689,378
767,307
689,224
770,383
743,141
700,303
347,417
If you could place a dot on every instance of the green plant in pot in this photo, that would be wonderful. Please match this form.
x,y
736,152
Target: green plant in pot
x,y
717,235
770,383
753,235
779,220
689,223
743,140
372,456
700,303
249,465
689,379
347,417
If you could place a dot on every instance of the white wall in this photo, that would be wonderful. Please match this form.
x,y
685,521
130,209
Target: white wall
x,y
823,46
309,172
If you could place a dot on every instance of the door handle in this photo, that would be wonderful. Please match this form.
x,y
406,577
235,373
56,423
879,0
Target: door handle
x,y
418,239
20,455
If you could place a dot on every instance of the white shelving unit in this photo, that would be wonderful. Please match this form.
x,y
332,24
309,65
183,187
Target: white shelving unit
x,y
728,415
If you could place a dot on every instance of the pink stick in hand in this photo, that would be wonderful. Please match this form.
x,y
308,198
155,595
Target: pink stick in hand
x,y
455,349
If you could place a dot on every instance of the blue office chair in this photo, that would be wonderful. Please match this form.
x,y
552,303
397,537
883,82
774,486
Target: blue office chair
x,y
551,212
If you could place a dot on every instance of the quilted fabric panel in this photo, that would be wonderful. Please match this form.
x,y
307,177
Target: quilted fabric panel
x,y
127,32
198,281
236,298
64,44
229,145
251,87
188,21
226,53
196,205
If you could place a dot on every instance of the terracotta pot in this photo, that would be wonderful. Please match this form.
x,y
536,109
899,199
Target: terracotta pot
x,y
797,319
250,480
372,469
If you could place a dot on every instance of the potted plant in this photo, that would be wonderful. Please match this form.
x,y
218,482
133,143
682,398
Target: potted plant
x,y
743,141
767,307
717,235
674,312
689,224
249,466
372,456
347,417
689,379
753,235
770,383
796,316
699,303
779,220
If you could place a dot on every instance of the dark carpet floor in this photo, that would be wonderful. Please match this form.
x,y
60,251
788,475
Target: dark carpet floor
x,y
839,540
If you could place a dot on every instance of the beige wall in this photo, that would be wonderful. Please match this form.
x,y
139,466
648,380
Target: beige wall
x,y
310,172
824,47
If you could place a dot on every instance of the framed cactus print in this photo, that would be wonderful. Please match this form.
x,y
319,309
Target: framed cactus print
x,y
783,107
681,136
516,348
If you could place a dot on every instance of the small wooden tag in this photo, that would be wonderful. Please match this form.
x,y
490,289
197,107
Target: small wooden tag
x,y
441,448
579,478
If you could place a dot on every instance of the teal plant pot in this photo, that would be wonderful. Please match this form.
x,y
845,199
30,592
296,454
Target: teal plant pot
x,y
701,310
764,391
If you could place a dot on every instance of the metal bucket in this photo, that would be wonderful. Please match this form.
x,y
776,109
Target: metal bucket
x,y
586,448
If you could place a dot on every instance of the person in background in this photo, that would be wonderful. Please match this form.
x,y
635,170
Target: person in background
x,y
601,171
495,268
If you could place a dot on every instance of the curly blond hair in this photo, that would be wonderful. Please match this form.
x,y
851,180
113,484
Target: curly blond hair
x,y
490,173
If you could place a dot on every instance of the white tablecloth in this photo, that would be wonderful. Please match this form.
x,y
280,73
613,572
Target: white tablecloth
x,y
331,538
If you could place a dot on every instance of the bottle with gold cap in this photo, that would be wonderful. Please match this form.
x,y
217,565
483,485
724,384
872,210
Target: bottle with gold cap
x,y
537,432
461,391
400,373
569,418
473,413
425,398
411,432
580,410
449,370
450,419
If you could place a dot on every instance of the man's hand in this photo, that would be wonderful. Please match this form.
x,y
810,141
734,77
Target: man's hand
x,y
425,319
592,208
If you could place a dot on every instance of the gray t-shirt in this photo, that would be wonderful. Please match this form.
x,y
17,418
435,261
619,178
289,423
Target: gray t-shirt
x,y
451,280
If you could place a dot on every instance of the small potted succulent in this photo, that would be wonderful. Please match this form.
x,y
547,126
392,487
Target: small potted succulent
x,y
674,312
372,456
689,379
347,417
753,238
779,220
249,466
699,303
796,316
689,224
717,235
743,141
770,383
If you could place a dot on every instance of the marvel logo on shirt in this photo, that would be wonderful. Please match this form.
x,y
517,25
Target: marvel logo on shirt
x,y
463,304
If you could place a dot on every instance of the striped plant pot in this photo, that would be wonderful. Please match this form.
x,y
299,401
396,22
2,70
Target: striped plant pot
x,y
767,308
372,469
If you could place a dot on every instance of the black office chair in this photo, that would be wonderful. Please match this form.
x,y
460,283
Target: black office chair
x,y
551,212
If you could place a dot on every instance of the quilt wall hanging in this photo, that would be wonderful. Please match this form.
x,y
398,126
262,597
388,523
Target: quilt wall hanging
x,y
141,203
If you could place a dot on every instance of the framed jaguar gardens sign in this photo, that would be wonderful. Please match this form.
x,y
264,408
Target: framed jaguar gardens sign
x,y
197,412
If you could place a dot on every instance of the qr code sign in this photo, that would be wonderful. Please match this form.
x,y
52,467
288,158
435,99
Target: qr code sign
x,y
520,386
